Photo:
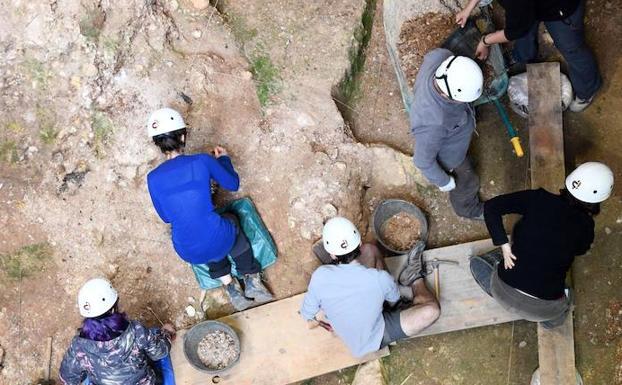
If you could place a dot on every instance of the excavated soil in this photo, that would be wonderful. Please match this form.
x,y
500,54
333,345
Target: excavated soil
x,y
420,35
401,231
217,350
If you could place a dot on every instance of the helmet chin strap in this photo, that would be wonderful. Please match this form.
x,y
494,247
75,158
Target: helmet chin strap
x,y
444,77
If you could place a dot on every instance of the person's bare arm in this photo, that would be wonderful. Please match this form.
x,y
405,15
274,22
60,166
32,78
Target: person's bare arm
x,y
463,16
497,37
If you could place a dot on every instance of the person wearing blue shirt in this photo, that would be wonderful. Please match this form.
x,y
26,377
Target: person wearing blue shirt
x,y
353,291
180,189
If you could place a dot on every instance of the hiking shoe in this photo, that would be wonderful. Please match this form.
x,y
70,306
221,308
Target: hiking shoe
x,y
415,268
234,290
255,289
578,104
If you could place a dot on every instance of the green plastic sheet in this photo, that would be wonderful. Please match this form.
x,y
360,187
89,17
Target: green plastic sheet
x,y
260,239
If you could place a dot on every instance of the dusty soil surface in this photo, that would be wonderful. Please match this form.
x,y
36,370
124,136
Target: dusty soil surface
x,y
401,231
217,350
77,83
420,35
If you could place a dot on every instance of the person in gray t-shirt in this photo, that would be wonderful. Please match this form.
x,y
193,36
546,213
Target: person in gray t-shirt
x,y
442,122
353,291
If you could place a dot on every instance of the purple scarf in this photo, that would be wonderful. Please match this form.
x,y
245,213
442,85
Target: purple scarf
x,y
104,328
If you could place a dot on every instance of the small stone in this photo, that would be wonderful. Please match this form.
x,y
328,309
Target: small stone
x,y
196,34
492,182
191,300
329,211
200,4
522,344
246,75
607,230
190,311
174,5
619,220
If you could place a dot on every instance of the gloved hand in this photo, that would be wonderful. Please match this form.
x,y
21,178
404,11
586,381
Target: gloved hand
x,y
449,186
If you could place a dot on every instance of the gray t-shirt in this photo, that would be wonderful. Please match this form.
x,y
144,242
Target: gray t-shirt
x,y
442,128
351,296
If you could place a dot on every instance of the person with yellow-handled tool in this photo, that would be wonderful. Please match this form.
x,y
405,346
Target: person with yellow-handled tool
x,y
442,123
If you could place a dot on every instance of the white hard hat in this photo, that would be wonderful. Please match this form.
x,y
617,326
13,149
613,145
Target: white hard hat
x,y
340,236
460,78
96,297
164,120
591,182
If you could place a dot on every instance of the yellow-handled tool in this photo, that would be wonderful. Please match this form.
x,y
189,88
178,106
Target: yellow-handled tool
x,y
518,149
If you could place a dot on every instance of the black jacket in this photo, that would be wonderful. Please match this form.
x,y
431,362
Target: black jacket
x,y
545,240
521,15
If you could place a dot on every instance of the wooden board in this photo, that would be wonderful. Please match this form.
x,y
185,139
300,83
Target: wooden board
x,y
464,304
546,146
277,348
546,136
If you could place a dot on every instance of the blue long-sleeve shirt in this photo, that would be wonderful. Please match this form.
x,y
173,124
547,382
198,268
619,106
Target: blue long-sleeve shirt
x,y
180,192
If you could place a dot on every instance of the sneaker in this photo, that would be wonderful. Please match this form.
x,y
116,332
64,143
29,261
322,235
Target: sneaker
x,y
255,289
578,104
415,268
234,290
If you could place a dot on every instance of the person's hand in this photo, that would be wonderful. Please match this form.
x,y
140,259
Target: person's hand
x,y
170,329
220,151
481,52
449,186
508,257
462,17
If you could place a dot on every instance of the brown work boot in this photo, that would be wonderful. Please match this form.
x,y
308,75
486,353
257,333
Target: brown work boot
x,y
415,267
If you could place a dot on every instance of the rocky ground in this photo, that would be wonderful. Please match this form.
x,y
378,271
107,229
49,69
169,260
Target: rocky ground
x,y
77,82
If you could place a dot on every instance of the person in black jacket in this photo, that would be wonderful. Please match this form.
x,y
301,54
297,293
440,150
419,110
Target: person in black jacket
x,y
564,21
553,230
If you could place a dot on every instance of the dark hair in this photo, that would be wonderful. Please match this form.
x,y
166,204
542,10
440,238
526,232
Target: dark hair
x,y
170,141
347,258
106,327
591,208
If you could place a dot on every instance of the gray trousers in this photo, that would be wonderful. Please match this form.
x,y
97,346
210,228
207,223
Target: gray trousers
x,y
550,313
465,197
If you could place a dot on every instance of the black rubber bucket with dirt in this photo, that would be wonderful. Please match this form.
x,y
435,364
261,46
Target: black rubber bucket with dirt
x,y
388,209
196,334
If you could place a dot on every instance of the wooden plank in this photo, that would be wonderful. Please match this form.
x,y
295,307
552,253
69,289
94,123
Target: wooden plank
x,y
546,142
546,136
464,304
277,348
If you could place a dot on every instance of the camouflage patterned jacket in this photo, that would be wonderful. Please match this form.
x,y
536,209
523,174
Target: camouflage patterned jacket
x,y
120,361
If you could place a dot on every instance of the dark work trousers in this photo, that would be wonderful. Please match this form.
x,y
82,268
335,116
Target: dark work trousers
x,y
465,198
569,38
241,253
550,313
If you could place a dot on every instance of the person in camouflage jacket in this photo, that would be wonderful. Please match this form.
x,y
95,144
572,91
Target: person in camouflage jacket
x,y
110,349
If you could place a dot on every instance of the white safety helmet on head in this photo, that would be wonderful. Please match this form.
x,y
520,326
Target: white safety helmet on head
x,y
591,182
340,236
96,297
460,78
164,120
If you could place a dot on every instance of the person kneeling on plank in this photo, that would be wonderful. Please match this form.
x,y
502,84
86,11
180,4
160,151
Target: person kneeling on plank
x,y
442,122
110,349
530,277
352,292
181,194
